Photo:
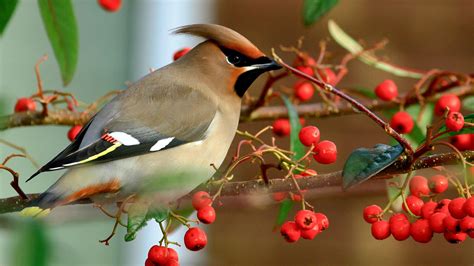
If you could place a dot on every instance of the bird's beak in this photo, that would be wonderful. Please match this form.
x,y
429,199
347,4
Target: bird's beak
x,y
267,66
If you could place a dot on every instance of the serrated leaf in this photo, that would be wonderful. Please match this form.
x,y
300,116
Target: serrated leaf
x,y
32,246
7,8
364,163
347,42
60,24
314,9
468,103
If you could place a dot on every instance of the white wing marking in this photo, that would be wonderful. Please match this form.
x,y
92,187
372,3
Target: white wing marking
x,y
161,144
124,138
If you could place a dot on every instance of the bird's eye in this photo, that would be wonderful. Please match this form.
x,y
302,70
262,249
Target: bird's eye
x,y
234,59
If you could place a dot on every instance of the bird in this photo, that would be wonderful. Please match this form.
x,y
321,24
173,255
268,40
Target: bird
x,y
166,133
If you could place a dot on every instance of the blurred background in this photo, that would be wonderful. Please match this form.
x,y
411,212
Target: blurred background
x,y
122,47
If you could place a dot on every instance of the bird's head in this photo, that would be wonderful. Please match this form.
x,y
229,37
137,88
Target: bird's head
x,y
227,56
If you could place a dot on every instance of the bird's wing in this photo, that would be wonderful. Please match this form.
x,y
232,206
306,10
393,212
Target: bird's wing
x,y
138,121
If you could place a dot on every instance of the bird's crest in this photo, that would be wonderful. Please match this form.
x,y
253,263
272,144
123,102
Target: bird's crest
x,y
223,36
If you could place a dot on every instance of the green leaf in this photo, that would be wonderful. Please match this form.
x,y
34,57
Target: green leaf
x,y
366,92
297,148
285,208
60,24
314,9
139,214
32,246
468,103
295,143
347,42
364,163
7,8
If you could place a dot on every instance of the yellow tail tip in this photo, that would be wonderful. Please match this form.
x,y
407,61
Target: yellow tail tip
x,y
35,212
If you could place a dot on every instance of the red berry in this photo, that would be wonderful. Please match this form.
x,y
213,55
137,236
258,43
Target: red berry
x,y
290,231
469,206
400,229
443,206
158,255
455,238
463,141
279,196
148,262
380,230
201,199
306,69
451,224
438,184
180,53
325,152
172,263
402,122
436,221
172,254
419,186
371,213
328,76
450,101
467,224
281,127
303,90
24,105
420,231
296,197
414,204
195,239
310,234
309,135
73,132
323,221
455,121
206,214
456,208
309,172
305,219
397,217
428,209
387,90
110,5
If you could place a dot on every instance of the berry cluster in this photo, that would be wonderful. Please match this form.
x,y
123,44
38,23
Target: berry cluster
x,y
162,256
194,239
304,90
306,224
324,152
454,218
403,123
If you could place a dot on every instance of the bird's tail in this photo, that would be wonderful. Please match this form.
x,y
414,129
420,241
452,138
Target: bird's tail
x,y
40,206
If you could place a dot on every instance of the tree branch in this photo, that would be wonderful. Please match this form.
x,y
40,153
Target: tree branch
x,y
318,110
334,179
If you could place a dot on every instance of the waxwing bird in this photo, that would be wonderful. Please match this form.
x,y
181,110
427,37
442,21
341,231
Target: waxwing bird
x,y
164,132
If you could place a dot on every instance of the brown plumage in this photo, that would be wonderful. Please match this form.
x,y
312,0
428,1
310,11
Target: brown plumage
x,y
222,36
